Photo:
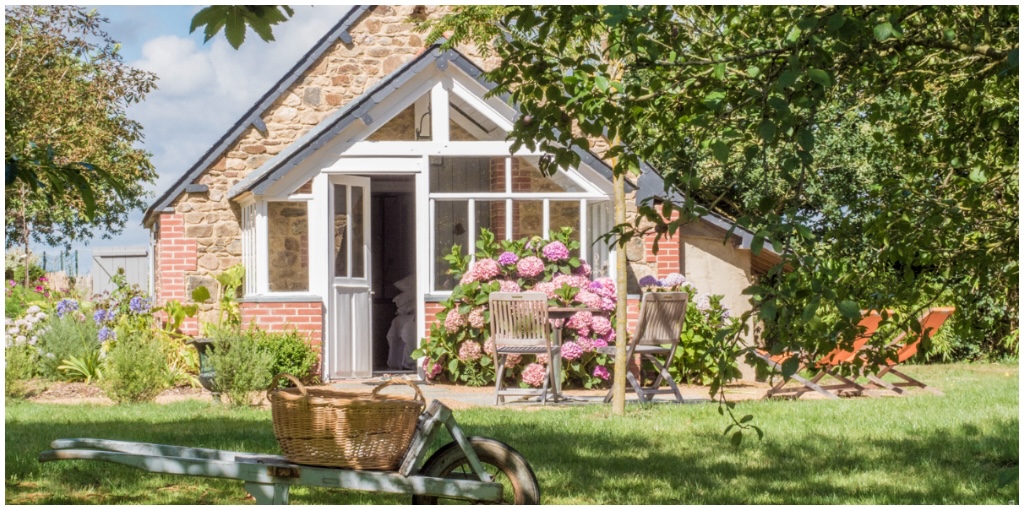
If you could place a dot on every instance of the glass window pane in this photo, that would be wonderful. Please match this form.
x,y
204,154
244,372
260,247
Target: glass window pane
x,y
288,238
400,128
451,227
340,225
466,174
527,218
358,239
527,178
565,214
490,215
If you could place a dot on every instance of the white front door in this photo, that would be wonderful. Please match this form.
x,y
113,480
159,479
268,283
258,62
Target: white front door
x,y
349,351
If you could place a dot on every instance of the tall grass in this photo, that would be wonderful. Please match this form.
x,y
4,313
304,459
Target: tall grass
x,y
961,448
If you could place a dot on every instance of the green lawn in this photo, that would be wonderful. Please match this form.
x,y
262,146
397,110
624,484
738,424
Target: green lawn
x,y
961,448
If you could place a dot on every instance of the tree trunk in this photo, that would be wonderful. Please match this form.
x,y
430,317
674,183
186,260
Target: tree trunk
x,y
621,339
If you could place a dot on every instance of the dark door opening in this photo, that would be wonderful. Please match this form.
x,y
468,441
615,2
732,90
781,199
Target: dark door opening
x,y
393,230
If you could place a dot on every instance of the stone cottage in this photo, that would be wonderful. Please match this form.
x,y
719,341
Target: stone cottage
x,y
360,169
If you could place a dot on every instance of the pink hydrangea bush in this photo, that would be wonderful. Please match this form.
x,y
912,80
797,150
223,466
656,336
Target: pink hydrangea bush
x,y
460,335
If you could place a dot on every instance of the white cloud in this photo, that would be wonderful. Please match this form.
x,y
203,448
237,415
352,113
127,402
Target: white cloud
x,y
203,89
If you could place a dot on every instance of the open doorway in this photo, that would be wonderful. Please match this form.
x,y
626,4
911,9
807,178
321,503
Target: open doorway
x,y
393,231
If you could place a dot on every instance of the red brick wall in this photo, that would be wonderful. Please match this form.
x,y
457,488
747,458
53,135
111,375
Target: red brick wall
x,y
306,317
174,254
430,316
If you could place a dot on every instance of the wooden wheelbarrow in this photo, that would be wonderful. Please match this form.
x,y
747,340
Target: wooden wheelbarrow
x,y
477,469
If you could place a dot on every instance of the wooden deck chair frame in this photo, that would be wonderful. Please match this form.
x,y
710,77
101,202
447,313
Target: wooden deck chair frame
x,y
660,323
519,325
931,321
827,366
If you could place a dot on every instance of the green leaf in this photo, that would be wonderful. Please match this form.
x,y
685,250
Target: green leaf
x,y
978,175
788,78
721,151
718,71
757,244
737,438
849,309
768,310
453,365
602,83
234,30
820,77
810,310
746,418
793,35
766,130
805,139
790,366
883,31
754,71
836,21
200,294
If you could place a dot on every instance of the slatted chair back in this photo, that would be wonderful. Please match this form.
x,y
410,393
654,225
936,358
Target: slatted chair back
x,y
870,322
519,319
661,318
931,321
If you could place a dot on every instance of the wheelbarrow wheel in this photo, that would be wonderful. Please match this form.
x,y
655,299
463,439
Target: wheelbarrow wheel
x,y
505,465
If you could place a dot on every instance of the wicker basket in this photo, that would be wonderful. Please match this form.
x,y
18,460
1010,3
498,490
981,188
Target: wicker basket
x,y
320,426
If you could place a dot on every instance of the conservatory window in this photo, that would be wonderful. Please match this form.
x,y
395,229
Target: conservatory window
x,y
288,246
510,197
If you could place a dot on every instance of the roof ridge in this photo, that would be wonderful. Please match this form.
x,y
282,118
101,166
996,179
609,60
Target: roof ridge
x,y
251,116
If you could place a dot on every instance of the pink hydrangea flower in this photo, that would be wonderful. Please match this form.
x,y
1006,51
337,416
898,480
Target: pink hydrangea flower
x,y
588,299
601,372
513,360
601,325
486,269
534,374
542,359
583,270
454,320
509,286
604,287
469,277
431,372
555,251
703,303
489,346
599,343
580,322
470,351
576,281
674,280
530,267
476,318
571,350
548,288
585,343
607,304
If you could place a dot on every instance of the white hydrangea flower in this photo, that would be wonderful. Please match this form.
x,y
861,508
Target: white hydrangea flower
x,y
33,309
40,316
20,340
13,331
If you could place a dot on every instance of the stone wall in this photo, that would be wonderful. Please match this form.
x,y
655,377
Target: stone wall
x,y
288,229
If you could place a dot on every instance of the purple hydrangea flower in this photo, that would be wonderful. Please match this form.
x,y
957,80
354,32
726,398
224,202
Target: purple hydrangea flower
x,y
508,258
602,372
555,251
649,281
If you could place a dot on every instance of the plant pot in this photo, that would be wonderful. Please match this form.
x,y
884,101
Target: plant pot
x,y
204,346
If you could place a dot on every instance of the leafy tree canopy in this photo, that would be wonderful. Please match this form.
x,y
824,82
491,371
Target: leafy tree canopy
x,y
875,147
71,164
234,18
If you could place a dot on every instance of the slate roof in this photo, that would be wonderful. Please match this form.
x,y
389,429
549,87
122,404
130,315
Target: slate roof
x,y
252,115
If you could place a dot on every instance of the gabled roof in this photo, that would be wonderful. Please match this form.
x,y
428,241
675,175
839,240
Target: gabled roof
x,y
252,115
358,109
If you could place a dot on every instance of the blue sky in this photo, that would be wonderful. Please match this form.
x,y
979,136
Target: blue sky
x,y
202,89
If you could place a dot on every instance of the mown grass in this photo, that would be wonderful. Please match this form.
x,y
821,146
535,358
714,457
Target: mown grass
x,y
961,448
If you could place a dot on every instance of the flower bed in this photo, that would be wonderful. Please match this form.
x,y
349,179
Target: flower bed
x,y
458,349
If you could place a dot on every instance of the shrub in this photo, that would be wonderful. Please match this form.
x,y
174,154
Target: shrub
x,y
135,369
19,366
241,367
64,338
291,353
458,348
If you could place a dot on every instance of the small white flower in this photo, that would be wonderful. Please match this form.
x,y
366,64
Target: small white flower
x,y
50,355
33,340
33,309
14,331
40,315
20,340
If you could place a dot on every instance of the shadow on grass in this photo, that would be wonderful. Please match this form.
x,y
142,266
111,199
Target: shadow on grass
x,y
652,460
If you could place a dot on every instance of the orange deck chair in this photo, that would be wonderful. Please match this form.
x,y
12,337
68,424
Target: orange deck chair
x,y
931,321
826,365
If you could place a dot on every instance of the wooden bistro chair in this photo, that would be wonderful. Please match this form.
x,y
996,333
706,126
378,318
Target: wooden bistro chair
x,y
657,334
907,345
827,365
519,325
